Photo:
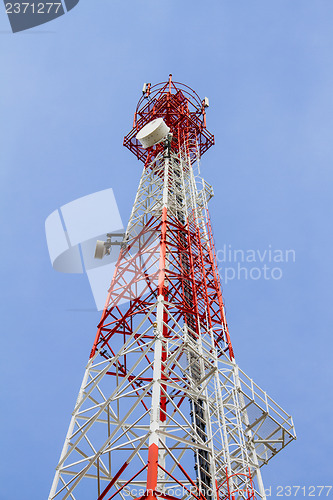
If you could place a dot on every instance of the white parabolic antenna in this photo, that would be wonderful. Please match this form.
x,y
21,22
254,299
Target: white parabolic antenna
x,y
100,250
153,132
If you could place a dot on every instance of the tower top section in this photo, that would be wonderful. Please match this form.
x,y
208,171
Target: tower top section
x,y
183,112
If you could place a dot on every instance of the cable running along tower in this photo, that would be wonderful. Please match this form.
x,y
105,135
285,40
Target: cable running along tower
x,y
163,410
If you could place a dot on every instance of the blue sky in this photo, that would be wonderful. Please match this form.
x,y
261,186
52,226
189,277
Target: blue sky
x,y
68,94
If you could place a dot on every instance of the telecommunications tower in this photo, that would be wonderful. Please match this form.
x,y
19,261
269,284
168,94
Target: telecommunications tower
x,y
164,411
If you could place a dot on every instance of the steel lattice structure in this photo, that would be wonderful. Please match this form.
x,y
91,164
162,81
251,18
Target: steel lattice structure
x,y
163,409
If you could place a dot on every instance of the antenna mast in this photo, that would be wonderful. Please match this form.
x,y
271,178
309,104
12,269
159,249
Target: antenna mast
x,y
164,410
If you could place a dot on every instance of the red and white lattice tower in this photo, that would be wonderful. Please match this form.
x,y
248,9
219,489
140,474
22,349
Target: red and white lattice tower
x,y
164,410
